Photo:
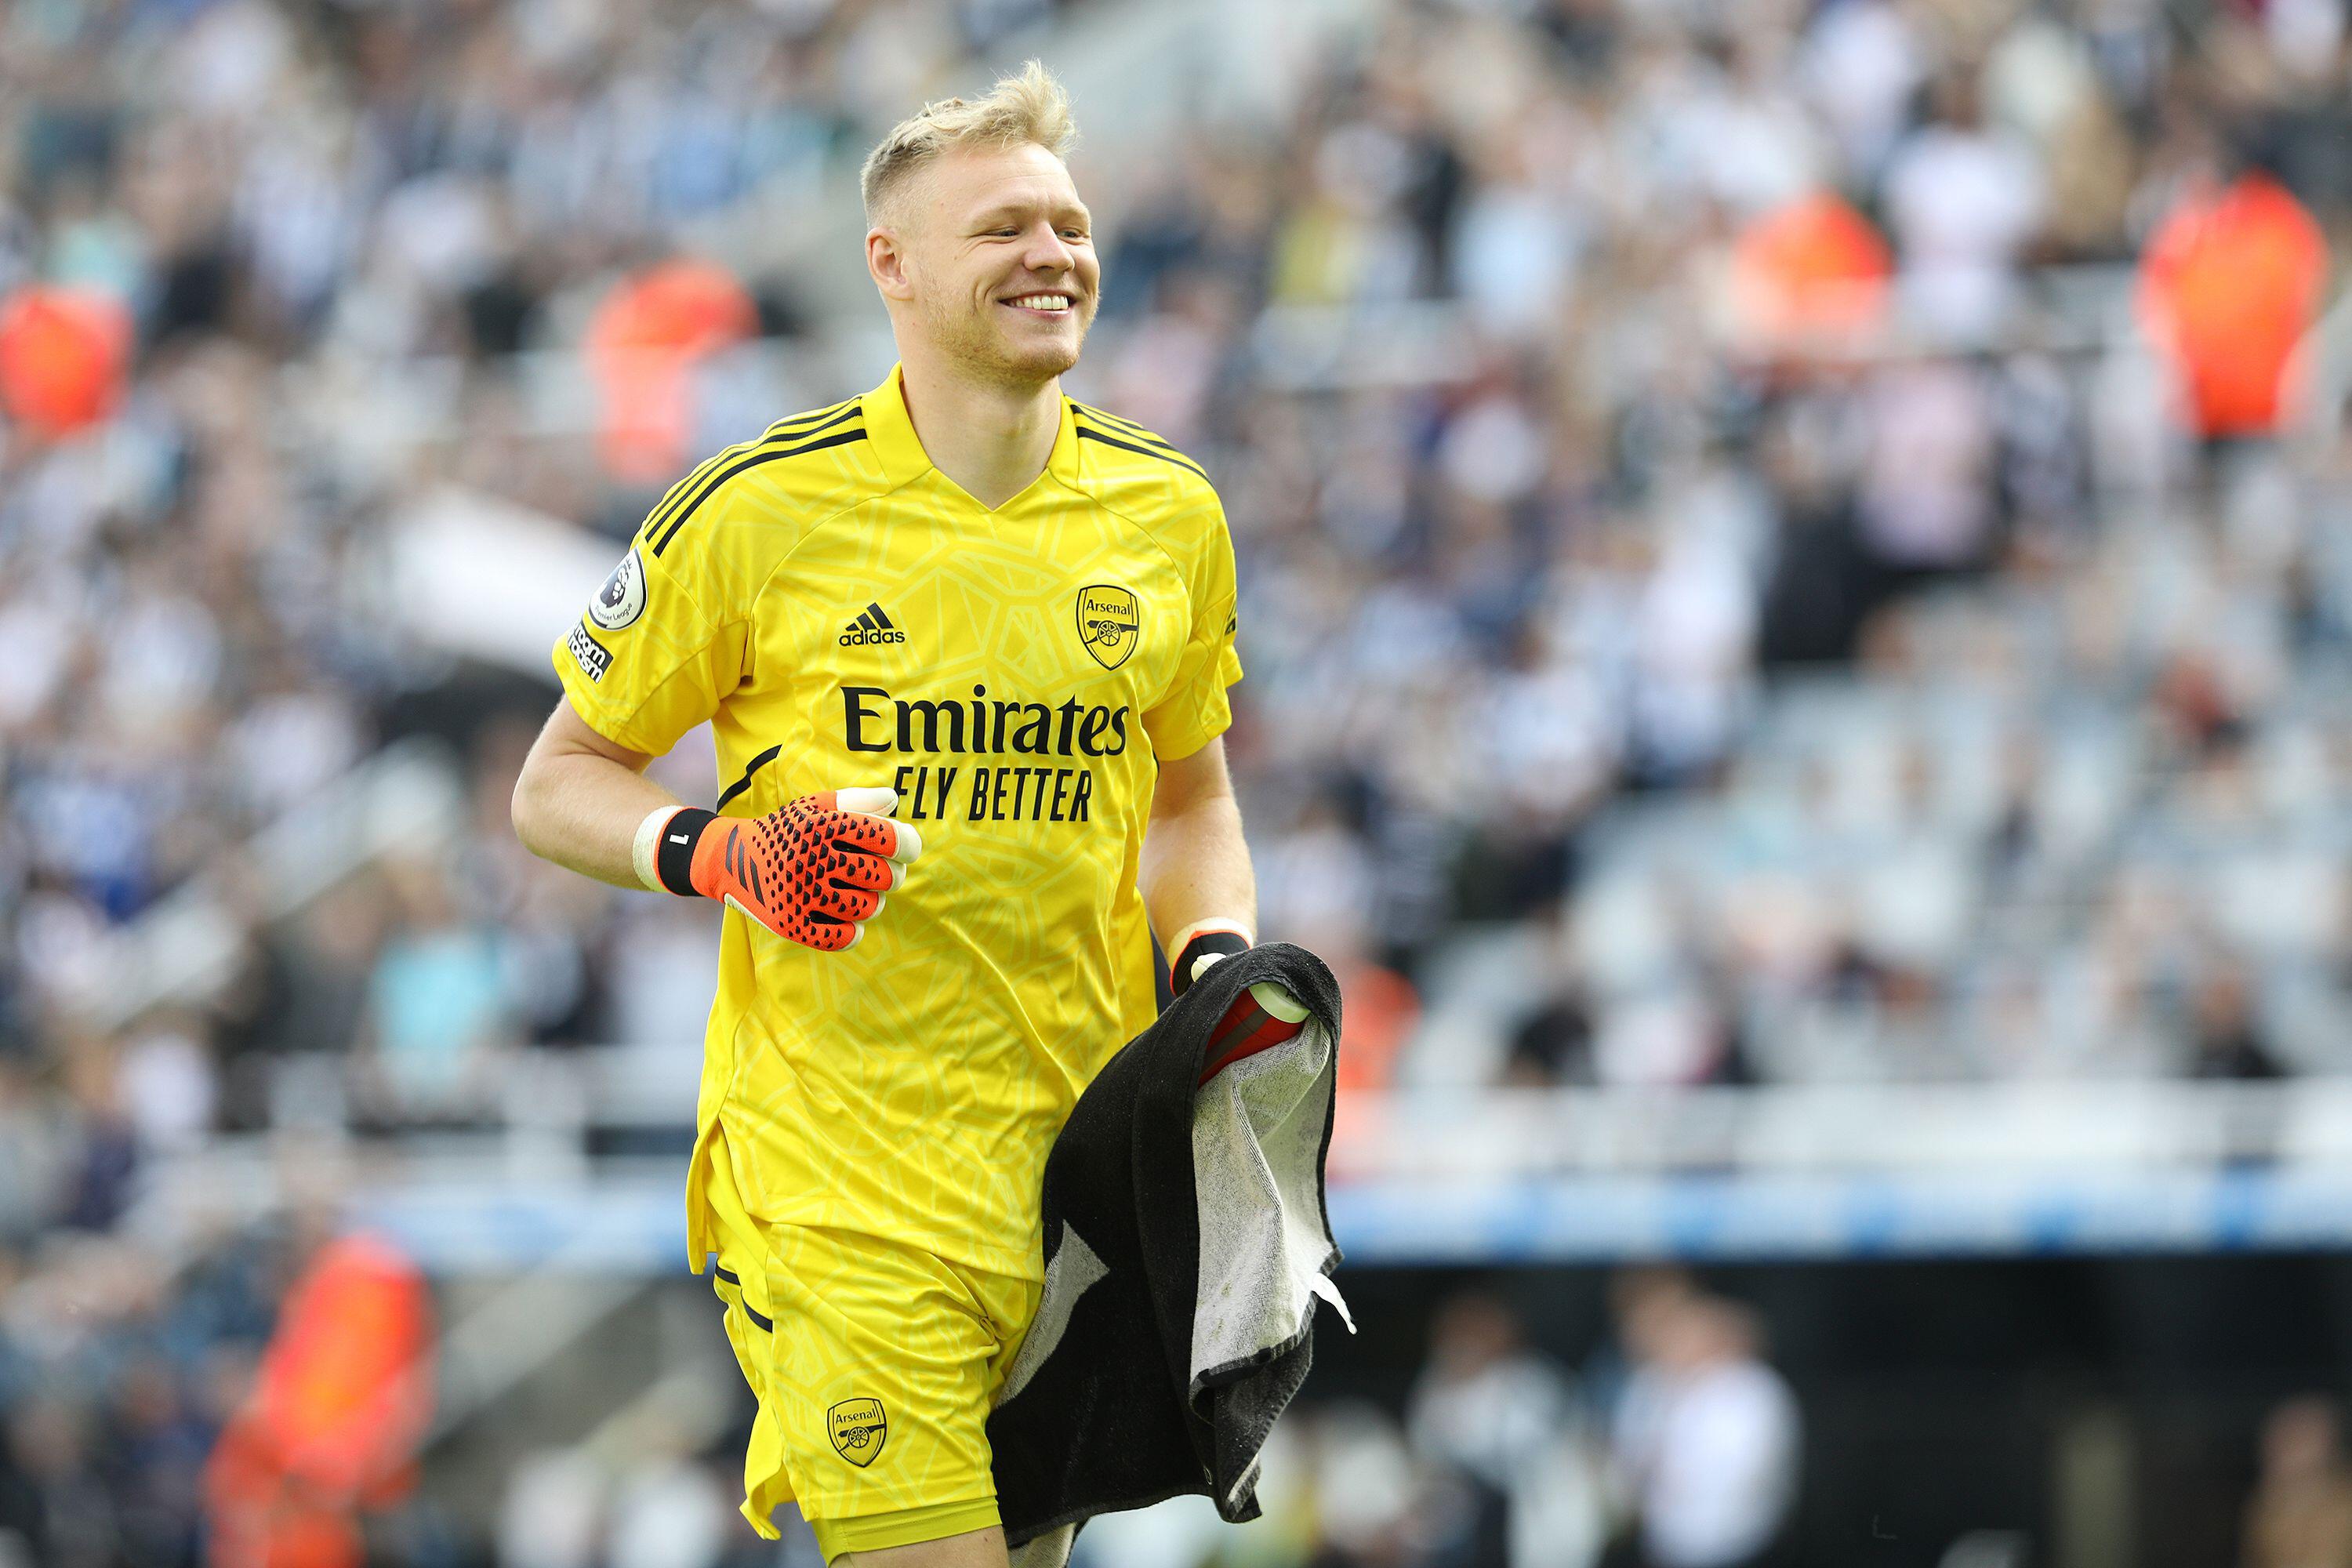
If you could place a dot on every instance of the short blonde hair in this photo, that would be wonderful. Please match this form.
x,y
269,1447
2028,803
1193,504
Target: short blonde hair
x,y
1030,107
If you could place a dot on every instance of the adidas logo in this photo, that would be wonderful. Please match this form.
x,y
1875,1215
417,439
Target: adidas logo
x,y
870,626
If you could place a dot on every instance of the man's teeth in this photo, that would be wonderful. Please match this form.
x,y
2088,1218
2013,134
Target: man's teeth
x,y
1042,301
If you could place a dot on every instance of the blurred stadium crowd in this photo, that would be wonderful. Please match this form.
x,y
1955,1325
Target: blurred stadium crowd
x,y
1763,513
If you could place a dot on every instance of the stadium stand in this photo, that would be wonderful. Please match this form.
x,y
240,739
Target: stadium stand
x,y
1780,646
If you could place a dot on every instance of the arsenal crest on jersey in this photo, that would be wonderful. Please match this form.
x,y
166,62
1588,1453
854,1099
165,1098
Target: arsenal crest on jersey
x,y
1109,623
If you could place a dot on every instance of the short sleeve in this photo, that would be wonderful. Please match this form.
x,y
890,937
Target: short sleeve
x,y
653,655
1195,711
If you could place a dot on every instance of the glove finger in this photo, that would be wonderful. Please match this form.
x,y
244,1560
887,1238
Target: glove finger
x,y
875,802
874,834
826,936
860,869
811,839
846,904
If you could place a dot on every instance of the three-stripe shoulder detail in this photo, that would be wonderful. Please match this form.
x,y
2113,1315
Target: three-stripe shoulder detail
x,y
799,422
792,437
1094,425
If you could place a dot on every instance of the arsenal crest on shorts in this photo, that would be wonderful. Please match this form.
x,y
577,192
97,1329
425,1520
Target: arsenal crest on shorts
x,y
857,1428
1107,622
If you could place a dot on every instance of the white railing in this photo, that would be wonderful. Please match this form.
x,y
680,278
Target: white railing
x,y
188,943
561,1105
2009,1127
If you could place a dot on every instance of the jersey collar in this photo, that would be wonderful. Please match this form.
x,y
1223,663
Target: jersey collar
x,y
891,429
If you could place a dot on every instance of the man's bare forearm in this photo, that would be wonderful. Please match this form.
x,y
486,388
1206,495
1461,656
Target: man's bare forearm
x,y
582,813
580,800
1196,866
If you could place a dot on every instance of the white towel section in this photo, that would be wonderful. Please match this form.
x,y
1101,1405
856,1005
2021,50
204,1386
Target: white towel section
x,y
1074,1271
1051,1550
1265,1252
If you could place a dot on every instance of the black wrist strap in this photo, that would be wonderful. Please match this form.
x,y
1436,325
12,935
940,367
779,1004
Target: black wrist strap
x,y
674,860
1228,942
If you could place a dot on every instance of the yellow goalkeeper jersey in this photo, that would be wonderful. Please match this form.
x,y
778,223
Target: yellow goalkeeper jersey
x,y
844,614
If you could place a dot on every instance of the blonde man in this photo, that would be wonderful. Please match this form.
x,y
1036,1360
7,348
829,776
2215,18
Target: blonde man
x,y
964,617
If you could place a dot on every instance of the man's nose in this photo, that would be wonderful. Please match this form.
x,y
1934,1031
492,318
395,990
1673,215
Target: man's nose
x,y
1049,252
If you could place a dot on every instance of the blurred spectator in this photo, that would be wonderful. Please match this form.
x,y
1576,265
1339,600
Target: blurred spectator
x,y
1511,1423
2229,1039
1964,197
436,1014
32,1149
644,338
303,989
339,1406
1809,277
1553,1044
96,1189
551,1514
1371,1506
62,355
672,1513
1705,1434
2301,1513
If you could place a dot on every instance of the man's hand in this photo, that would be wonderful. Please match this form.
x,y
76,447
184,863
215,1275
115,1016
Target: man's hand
x,y
813,872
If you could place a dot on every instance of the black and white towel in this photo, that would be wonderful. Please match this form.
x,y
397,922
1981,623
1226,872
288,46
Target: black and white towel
x,y
1187,1243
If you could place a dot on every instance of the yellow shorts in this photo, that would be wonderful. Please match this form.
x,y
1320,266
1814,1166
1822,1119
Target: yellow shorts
x,y
874,1365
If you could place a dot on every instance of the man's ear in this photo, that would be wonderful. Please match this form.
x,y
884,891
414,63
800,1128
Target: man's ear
x,y
885,262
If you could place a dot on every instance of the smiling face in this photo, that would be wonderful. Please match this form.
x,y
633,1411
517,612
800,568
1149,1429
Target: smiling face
x,y
987,258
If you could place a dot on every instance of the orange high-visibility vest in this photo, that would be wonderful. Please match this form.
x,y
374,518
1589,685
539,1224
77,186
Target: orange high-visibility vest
x,y
644,343
1812,273
64,354
337,1409
2230,284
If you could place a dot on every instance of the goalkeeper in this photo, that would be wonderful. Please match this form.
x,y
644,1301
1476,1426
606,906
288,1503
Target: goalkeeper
x,y
963,645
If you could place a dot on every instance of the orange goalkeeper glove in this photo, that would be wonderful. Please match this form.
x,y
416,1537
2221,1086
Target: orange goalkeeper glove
x,y
813,872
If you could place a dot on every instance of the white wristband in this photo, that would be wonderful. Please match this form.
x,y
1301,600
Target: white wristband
x,y
644,848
